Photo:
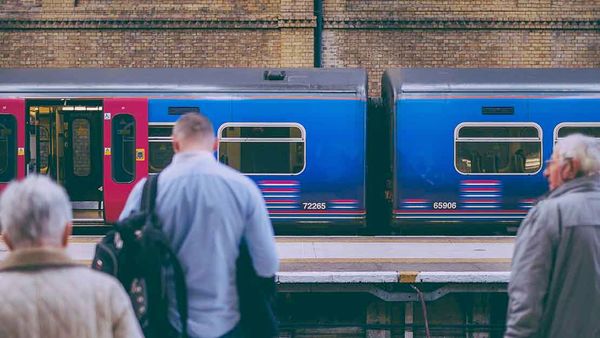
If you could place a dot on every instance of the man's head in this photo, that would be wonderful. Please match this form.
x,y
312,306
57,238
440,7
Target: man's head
x,y
574,156
193,131
35,212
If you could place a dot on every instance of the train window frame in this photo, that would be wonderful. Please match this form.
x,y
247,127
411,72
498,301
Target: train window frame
x,y
539,139
264,124
14,156
158,139
113,144
572,124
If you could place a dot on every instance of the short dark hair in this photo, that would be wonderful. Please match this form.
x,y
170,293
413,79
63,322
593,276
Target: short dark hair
x,y
194,126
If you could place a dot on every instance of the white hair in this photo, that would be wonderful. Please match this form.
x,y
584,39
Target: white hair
x,y
584,149
34,212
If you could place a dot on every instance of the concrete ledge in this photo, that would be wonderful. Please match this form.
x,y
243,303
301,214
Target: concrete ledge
x,y
464,277
337,277
382,277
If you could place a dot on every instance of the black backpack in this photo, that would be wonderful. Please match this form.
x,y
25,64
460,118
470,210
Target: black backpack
x,y
257,299
138,254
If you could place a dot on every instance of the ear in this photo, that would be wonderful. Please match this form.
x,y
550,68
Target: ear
x,y
575,168
67,234
216,144
8,242
176,145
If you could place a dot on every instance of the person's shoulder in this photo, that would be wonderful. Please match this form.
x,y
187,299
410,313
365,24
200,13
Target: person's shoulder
x,y
234,175
97,279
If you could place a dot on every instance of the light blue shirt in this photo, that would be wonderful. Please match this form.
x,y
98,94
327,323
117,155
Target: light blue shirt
x,y
206,208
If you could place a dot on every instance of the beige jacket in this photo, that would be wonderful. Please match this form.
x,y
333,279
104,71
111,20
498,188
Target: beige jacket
x,y
44,294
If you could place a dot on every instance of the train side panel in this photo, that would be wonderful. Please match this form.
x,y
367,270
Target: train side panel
x,y
429,183
328,190
307,155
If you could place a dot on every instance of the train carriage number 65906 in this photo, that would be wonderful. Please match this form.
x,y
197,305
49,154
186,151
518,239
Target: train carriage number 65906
x,y
444,205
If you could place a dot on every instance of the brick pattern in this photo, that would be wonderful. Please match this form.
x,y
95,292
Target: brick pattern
x,y
464,9
375,34
141,48
378,50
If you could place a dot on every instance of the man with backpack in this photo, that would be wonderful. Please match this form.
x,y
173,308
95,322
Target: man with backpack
x,y
207,210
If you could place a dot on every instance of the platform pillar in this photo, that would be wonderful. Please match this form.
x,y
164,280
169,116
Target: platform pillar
x,y
409,319
378,313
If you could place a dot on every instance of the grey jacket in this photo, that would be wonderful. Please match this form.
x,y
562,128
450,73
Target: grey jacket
x,y
44,294
554,289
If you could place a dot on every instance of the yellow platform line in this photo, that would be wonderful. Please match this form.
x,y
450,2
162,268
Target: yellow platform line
x,y
325,239
402,239
393,260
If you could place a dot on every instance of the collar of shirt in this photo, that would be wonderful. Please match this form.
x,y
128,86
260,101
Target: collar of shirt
x,y
189,155
36,258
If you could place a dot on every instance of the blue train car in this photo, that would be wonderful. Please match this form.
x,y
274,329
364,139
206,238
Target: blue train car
x,y
299,133
468,145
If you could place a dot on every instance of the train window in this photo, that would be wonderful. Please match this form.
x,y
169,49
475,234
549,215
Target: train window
x,y
8,147
589,129
160,147
82,157
269,148
123,148
500,131
486,149
160,131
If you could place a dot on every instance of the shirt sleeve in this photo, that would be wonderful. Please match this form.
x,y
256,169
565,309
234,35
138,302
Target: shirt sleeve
x,y
530,272
259,236
125,324
133,201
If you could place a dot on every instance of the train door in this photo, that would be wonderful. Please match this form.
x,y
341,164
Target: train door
x,y
125,151
64,142
12,140
83,155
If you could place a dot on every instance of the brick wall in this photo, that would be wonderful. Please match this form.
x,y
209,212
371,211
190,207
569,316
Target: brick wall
x,y
380,34
145,33
375,34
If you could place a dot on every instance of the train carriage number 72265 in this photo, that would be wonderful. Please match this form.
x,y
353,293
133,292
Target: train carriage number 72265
x,y
314,206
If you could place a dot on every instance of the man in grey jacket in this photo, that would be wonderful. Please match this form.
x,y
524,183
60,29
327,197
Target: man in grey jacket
x,y
554,289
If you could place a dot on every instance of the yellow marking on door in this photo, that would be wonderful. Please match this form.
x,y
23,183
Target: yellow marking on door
x,y
140,154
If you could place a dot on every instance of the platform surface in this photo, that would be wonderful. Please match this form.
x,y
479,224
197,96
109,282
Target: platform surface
x,y
393,259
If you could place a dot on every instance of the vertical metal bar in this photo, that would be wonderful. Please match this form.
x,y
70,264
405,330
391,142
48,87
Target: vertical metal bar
x,y
318,35
408,319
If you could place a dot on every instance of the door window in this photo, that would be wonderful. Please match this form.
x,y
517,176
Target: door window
x,y
8,147
123,148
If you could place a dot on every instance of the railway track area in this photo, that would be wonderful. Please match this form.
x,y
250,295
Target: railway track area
x,y
352,286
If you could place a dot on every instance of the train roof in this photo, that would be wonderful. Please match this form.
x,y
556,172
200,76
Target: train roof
x,y
40,81
492,80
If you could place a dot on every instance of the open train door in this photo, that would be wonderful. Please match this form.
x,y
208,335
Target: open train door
x,y
12,140
125,151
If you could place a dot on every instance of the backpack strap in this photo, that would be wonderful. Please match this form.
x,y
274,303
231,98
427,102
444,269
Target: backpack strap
x,y
148,201
180,293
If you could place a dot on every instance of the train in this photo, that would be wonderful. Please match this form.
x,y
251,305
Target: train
x,y
440,147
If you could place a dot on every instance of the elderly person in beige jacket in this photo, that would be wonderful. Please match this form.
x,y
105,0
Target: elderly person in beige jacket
x,y
43,293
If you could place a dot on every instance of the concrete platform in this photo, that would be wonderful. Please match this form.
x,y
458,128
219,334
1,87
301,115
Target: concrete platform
x,y
374,260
